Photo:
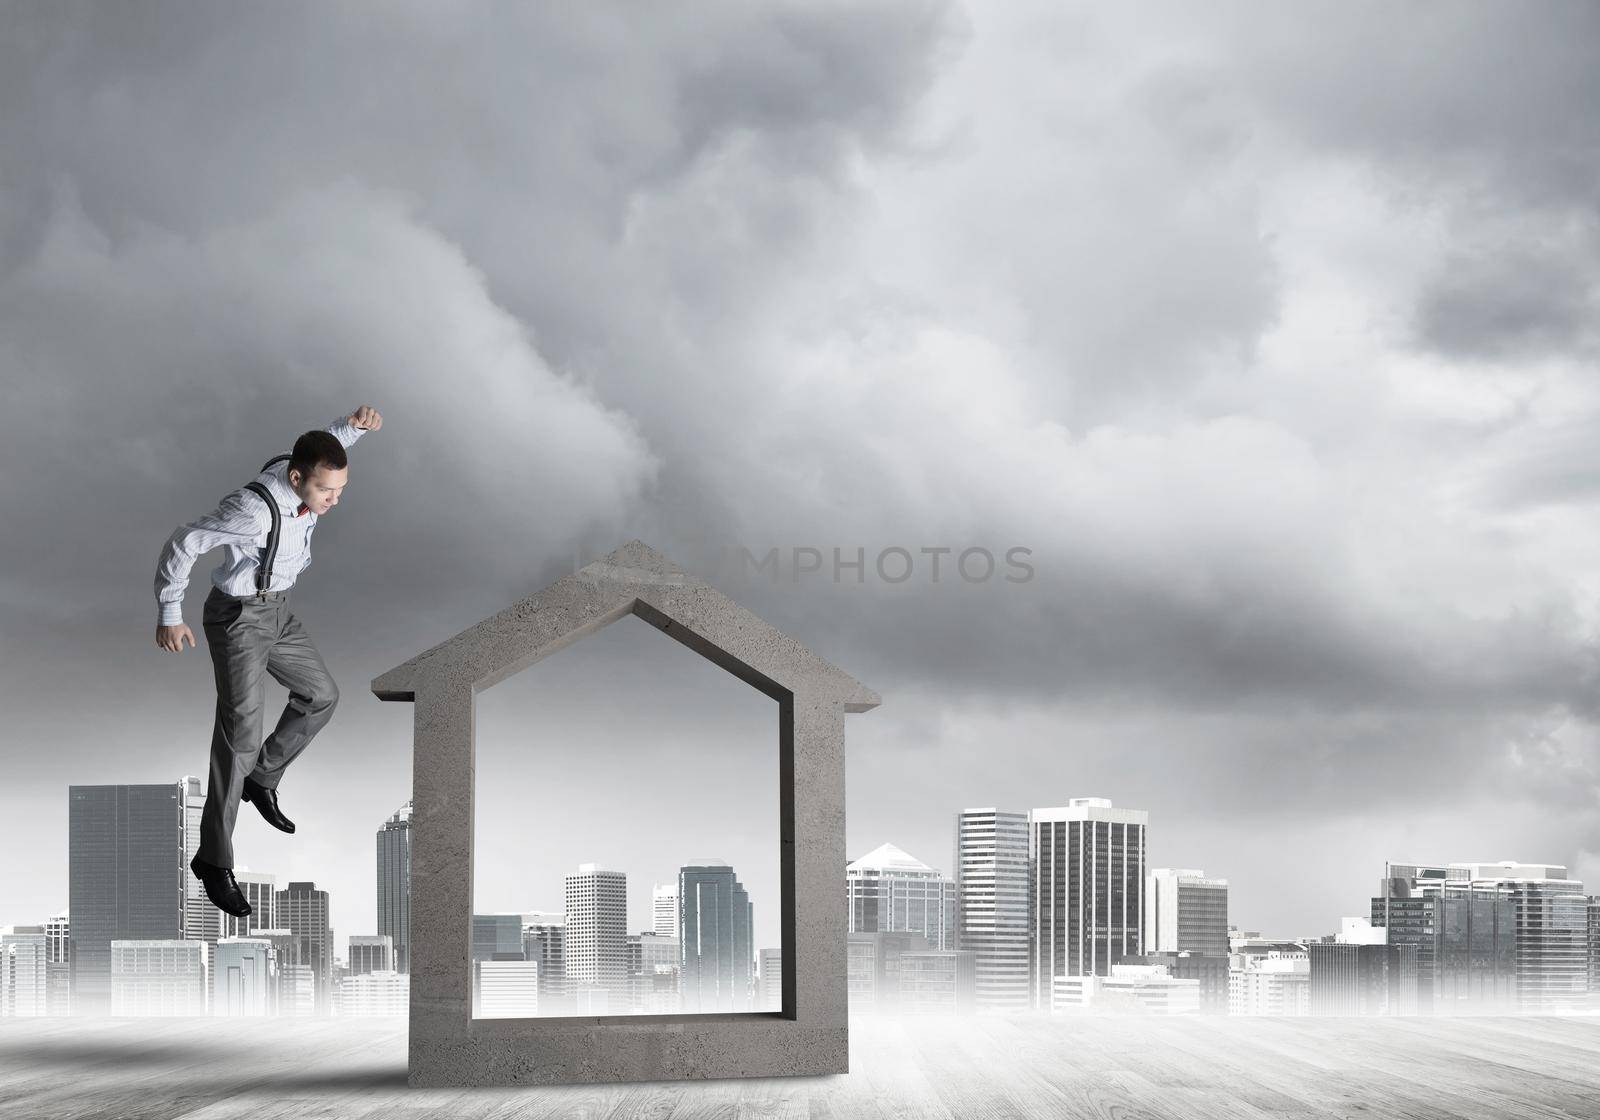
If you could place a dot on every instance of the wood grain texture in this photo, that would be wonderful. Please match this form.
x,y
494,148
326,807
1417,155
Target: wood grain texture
x,y
1500,1068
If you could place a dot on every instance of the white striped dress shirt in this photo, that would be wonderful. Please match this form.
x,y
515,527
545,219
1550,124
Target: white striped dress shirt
x,y
240,524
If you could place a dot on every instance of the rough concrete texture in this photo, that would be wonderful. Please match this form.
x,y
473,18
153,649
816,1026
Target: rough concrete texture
x,y
447,1045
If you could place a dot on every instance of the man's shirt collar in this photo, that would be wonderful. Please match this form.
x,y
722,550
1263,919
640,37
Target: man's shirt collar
x,y
279,478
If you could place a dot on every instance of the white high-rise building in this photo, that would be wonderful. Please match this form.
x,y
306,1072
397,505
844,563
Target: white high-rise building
x,y
244,977
158,977
1088,860
1185,912
890,891
595,933
992,918
58,964
24,971
664,909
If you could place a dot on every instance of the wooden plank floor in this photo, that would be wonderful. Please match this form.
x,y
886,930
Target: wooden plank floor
x,y
962,1069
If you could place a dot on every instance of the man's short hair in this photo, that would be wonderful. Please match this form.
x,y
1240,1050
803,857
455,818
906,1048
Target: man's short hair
x,y
316,449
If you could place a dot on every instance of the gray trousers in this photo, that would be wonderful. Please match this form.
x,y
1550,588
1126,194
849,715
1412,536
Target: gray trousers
x,y
248,639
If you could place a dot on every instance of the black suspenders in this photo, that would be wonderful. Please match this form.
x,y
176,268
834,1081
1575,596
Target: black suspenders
x,y
270,553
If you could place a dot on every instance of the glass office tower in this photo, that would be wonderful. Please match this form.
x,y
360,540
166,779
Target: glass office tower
x,y
715,939
394,884
126,877
1490,937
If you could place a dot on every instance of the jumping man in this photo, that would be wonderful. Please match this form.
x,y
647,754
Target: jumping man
x,y
250,630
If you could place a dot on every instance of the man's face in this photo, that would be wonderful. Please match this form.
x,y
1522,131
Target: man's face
x,y
321,491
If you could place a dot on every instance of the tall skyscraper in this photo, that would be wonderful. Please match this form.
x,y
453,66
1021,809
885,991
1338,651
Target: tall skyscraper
x,y
595,941
889,891
1088,884
394,884
716,921
303,910
664,909
126,877
992,898
1185,912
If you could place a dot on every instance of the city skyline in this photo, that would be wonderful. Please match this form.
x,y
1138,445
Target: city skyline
x,y
260,883
1105,931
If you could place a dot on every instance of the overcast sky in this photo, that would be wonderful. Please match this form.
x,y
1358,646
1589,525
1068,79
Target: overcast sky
x,y
1269,331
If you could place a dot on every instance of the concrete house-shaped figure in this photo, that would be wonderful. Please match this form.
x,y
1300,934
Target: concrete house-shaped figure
x,y
809,1035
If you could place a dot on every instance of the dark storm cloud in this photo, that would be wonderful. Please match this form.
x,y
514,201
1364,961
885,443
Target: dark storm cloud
x,y
164,160
1482,91
1478,111
1512,301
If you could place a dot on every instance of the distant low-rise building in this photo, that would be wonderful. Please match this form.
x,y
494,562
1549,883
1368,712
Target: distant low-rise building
x,y
1270,979
938,982
383,992
1130,989
158,977
873,969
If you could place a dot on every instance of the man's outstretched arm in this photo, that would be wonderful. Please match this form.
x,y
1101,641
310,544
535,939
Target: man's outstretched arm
x,y
239,519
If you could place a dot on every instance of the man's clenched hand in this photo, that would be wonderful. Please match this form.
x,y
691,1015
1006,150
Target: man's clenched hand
x,y
171,637
367,418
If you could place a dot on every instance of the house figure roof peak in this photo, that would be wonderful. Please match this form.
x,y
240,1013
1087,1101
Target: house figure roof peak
x,y
637,579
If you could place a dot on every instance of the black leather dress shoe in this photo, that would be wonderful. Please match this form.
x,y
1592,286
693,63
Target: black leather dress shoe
x,y
221,887
266,802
